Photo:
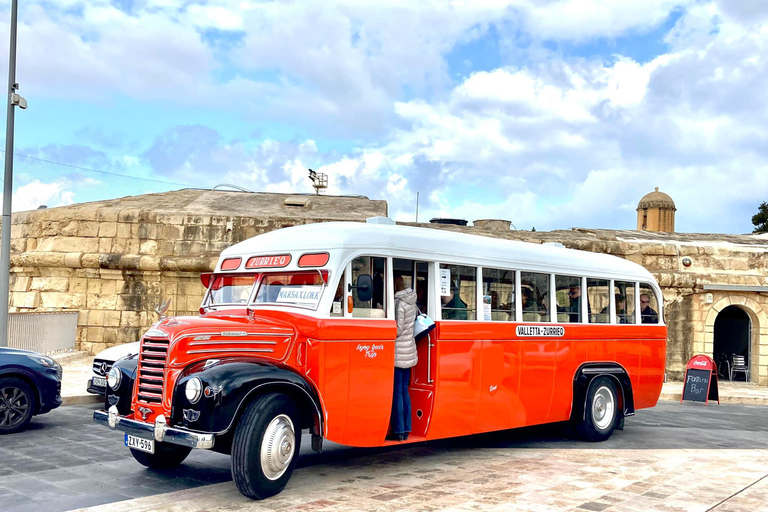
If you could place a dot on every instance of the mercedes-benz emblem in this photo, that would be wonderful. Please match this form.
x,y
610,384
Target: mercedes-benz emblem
x,y
103,368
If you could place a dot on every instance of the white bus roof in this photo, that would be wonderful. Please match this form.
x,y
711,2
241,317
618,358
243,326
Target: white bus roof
x,y
432,245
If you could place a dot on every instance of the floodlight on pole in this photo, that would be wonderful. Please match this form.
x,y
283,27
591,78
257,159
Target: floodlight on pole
x,y
319,180
14,100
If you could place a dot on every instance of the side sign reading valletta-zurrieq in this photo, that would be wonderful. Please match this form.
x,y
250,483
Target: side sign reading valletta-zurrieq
x,y
700,380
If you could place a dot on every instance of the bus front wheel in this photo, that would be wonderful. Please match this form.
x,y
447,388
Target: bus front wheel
x,y
601,410
266,446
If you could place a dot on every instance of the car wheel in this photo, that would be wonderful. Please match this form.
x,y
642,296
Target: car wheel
x,y
166,456
601,410
17,403
266,446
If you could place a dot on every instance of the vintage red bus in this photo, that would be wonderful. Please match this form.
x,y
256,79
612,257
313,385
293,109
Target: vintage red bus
x,y
296,332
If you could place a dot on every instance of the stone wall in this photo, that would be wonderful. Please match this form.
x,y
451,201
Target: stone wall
x,y
115,261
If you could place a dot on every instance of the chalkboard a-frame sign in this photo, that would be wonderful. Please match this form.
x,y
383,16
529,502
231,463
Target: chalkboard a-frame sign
x,y
700,380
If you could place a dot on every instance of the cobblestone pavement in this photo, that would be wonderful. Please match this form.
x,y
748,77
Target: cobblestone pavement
x,y
673,457
502,479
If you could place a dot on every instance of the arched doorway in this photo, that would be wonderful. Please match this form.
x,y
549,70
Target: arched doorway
x,y
733,335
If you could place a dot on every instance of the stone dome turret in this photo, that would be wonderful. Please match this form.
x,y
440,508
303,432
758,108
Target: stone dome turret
x,y
656,212
656,199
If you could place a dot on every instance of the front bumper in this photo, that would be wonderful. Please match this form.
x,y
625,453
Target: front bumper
x,y
96,390
159,431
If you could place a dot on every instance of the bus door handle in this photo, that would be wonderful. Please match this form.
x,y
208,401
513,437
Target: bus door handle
x,y
429,358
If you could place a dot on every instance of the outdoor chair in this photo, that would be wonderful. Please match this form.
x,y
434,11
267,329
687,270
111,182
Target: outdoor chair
x,y
738,364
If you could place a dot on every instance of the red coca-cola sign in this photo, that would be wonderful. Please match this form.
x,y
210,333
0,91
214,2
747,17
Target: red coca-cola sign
x,y
700,362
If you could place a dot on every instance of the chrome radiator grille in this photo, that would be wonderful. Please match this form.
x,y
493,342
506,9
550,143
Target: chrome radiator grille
x,y
152,360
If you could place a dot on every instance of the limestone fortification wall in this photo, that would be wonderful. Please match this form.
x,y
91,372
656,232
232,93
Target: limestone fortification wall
x,y
115,261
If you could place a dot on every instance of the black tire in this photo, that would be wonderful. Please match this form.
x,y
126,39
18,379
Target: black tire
x,y
274,415
601,409
166,456
17,405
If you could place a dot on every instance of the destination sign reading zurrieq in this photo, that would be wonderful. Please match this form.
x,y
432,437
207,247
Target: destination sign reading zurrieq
x,y
278,261
556,331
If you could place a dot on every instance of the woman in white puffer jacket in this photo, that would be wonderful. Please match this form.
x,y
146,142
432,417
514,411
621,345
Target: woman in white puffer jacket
x,y
405,359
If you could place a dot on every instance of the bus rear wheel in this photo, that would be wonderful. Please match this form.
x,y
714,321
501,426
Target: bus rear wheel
x,y
601,410
266,446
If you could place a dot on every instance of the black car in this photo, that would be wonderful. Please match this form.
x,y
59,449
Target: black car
x,y
30,384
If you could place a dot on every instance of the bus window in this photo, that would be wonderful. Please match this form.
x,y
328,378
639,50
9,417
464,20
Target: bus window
x,y
337,306
649,306
599,299
499,287
460,303
375,267
415,275
625,302
534,294
568,295
231,289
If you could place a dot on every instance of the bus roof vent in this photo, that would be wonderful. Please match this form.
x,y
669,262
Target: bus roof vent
x,y
453,222
380,220
554,244
297,201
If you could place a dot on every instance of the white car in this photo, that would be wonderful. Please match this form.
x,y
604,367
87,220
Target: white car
x,y
103,362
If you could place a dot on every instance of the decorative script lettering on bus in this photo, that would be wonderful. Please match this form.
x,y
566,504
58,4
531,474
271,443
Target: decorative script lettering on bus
x,y
556,331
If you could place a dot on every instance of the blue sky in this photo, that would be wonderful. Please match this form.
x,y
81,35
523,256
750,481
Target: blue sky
x,y
553,114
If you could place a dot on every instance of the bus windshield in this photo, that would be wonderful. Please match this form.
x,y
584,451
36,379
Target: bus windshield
x,y
231,289
302,289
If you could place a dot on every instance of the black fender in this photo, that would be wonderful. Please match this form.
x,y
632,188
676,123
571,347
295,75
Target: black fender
x,y
123,395
584,376
229,384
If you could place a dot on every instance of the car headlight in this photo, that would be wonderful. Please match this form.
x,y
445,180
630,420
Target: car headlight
x,y
43,360
113,378
194,390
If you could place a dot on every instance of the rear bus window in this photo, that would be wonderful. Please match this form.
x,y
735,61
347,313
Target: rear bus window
x,y
624,293
498,295
458,294
599,300
649,305
534,296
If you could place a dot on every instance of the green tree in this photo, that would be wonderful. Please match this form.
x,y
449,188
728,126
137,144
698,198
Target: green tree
x,y
760,219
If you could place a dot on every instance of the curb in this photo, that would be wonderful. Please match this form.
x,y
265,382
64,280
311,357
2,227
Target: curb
x,y
81,399
746,400
69,356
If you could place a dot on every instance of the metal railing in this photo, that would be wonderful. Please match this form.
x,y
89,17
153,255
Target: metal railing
x,y
46,332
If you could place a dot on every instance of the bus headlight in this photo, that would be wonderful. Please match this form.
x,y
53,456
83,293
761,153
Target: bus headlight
x,y
194,390
113,378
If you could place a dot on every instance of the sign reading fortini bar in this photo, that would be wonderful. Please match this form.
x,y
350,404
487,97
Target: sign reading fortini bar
x,y
700,380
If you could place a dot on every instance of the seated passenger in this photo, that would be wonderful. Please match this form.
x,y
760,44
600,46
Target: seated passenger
x,y
621,309
647,313
453,307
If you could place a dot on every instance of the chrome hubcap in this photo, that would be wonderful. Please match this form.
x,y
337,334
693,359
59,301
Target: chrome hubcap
x,y
603,406
278,447
13,406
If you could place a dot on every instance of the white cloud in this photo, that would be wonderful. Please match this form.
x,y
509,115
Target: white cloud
x,y
36,193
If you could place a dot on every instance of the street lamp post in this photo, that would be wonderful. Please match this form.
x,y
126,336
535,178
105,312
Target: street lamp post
x,y
14,100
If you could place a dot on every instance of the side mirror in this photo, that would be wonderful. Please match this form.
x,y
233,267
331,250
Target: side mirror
x,y
364,287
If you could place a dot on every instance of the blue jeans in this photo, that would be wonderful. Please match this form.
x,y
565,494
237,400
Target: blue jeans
x,y
401,402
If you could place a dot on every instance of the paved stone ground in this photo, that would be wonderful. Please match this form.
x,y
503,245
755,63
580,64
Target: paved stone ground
x,y
671,458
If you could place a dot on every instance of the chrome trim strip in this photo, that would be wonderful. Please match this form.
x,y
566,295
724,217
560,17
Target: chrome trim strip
x,y
178,436
281,332
261,350
225,342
